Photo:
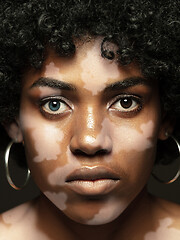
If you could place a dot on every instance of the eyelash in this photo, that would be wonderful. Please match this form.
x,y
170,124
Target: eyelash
x,y
47,101
136,100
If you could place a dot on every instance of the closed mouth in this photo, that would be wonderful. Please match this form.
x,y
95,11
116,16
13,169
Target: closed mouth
x,y
92,180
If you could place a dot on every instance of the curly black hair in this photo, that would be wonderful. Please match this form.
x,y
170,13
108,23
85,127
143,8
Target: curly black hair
x,y
145,31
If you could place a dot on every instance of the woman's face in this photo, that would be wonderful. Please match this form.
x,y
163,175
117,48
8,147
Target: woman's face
x,y
90,129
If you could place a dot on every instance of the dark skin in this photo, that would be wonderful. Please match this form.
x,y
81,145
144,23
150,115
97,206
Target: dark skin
x,y
117,145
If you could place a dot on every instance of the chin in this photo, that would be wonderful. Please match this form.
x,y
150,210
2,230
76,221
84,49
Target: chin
x,y
98,213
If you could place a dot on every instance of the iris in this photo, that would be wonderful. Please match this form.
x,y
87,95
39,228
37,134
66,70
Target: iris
x,y
54,105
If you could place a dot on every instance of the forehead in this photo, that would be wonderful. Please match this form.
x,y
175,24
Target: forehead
x,y
86,68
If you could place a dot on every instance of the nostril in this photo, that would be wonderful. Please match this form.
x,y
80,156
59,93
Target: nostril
x,y
100,152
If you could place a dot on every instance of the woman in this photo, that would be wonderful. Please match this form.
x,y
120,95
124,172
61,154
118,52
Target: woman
x,y
91,89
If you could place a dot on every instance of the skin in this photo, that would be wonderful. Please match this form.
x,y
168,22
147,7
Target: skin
x,y
90,120
165,228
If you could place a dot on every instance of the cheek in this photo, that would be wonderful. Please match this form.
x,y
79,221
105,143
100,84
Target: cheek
x,y
134,149
42,140
56,180
137,148
127,138
44,145
58,176
45,142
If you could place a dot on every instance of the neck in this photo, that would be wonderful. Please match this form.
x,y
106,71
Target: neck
x,y
128,222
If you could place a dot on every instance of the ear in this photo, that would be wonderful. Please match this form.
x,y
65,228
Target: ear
x,y
166,127
14,131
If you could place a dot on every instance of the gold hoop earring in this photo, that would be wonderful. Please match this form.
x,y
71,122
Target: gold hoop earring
x,y
11,183
178,172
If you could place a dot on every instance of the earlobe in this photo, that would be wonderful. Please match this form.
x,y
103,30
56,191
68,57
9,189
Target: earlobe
x,y
14,131
166,128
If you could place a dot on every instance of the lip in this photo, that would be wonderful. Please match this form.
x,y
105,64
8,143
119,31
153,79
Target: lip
x,y
92,181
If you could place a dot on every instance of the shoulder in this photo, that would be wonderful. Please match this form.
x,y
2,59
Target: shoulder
x,y
166,221
168,209
12,219
15,214
20,223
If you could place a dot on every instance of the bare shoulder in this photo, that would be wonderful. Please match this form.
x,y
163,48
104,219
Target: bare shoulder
x,y
14,215
166,221
168,209
20,223
168,214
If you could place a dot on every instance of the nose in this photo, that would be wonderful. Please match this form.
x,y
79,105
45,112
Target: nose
x,y
90,135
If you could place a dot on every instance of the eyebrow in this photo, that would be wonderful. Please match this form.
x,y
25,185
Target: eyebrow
x,y
127,83
119,85
53,83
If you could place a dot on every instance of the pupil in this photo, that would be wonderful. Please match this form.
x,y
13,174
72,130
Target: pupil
x,y
54,105
126,103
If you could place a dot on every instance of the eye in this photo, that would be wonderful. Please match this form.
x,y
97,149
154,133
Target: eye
x,y
54,106
127,104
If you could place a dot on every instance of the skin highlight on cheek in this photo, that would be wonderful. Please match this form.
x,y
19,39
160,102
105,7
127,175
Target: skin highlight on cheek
x,y
165,231
93,77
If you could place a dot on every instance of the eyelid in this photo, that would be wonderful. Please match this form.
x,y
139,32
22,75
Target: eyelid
x,y
124,95
134,97
44,100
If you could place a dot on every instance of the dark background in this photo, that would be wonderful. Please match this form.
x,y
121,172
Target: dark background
x,y
10,197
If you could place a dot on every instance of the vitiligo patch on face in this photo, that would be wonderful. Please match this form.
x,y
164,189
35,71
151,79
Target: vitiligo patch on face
x,y
108,212
46,138
59,175
59,199
165,231
96,71
126,138
51,144
52,71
